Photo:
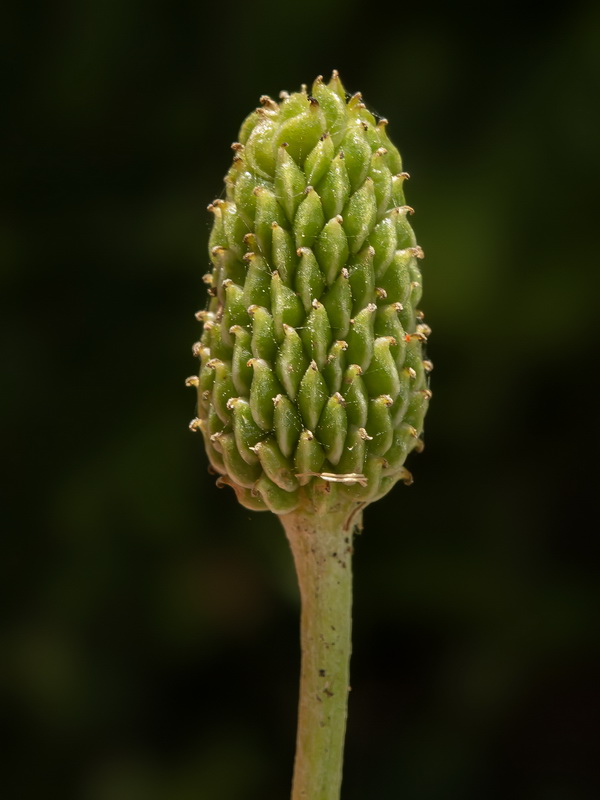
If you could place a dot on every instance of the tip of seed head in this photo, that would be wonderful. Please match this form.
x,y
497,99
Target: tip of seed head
x,y
267,102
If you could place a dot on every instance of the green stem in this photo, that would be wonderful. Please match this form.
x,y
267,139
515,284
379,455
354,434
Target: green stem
x,y
322,550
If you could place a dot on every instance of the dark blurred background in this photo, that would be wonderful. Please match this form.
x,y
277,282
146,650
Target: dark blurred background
x,y
149,649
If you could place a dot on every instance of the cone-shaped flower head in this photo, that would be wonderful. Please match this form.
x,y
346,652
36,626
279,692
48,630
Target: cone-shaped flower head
x,y
313,383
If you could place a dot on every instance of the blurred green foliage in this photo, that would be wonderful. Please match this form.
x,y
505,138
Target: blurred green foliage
x,y
150,625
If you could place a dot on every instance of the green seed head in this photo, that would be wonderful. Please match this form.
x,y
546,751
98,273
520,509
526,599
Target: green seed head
x,y
313,385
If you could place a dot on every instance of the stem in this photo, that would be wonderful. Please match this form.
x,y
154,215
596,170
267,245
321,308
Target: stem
x,y
322,550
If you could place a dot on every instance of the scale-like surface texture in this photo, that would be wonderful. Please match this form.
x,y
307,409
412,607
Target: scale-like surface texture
x,y
312,377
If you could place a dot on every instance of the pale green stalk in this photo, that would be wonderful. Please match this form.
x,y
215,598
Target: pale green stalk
x,y
322,550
